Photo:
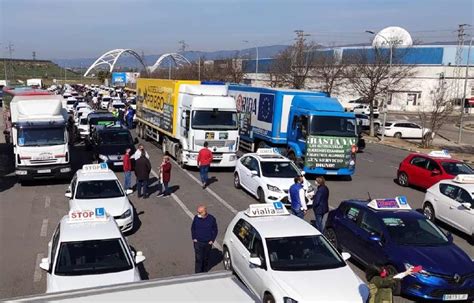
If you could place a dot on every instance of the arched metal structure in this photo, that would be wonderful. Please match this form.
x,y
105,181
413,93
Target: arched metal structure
x,y
178,59
111,57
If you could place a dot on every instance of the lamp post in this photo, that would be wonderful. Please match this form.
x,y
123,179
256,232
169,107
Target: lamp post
x,y
389,81
464,94
256,57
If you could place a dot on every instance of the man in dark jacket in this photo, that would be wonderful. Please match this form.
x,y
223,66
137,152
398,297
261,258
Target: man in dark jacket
x,y
320,203
203,233
142,172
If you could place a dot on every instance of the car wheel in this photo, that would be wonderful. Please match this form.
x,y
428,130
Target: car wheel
x,y
226,260
403,179
330,234
237,181
429,212
260,195
268,298
397,135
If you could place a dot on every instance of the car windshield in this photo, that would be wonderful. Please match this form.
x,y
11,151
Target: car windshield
x,y
71,102
302,253
215,120
279,170
116,138
102,120
332,126
41,136
456,168
98,189
118,105
92,258
414,231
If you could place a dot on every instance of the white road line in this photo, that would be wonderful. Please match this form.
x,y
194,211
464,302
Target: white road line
x,y
38,271
47,201
44,228
365,159
406,118
185,209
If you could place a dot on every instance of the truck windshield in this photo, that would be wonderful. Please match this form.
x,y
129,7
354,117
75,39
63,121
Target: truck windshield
x,y
92,257
332,126
215,120
40,136
116,138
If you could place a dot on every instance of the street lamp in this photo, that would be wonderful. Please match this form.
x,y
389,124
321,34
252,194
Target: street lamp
x,y
389,80
256,60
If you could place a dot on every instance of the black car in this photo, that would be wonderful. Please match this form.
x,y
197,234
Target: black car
x,y
109,143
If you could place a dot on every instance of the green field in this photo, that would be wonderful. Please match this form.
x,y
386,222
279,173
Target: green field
x,y
27,69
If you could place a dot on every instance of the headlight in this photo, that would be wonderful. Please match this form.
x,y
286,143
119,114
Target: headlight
x,y
289,300
103,157
232,157
126,214
192,156
273,188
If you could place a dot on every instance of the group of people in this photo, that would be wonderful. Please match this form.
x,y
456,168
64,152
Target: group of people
x,y
320,200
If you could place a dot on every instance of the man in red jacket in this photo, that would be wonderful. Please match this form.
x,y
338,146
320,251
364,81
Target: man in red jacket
x,y
165,176
127,169
204,162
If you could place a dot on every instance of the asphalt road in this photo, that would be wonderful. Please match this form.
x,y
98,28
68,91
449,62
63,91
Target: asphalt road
x,y
29,214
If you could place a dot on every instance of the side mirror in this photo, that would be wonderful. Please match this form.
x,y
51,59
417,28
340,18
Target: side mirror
x,y
44,264
135,141
129,192
254,173
255,261
139,258
466,205
435,172
68,194
346,256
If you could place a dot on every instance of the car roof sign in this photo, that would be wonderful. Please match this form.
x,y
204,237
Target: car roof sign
x,y
95,168
78,216
440,154
268,151
464,179
267,210
397,203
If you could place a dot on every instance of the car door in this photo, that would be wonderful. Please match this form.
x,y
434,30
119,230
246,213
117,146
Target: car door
x,y
444,201
434,174
254,179
459,216
347,229
417,171
257,275
415,130
244,171
240,250
369,249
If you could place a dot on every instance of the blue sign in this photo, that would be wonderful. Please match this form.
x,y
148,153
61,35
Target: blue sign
x,y
278,205
100,212
119,78
265,108
402,200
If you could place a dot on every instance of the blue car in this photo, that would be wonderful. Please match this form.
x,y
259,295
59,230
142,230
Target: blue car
x,y
385,232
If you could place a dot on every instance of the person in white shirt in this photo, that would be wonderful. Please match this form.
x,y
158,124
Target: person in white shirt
x,y
139,151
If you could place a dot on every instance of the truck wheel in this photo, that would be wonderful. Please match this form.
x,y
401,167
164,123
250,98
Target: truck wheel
x,y
260,195
179,157
268,298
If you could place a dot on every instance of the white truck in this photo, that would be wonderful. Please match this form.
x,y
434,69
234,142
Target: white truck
x,y
37,83
35,123
182,115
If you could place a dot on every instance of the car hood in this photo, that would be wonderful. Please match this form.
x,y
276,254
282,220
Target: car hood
x,y
284,183
115,149
113,206
333,285
448,259
63,283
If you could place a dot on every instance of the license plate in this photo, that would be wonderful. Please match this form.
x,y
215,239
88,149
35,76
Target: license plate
x,y
454,297
329,172
118,163
44,171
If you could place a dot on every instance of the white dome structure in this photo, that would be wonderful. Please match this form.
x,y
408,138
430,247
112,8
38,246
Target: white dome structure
x,y
392,35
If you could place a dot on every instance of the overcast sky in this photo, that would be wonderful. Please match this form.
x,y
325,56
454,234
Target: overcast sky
x,y
87,28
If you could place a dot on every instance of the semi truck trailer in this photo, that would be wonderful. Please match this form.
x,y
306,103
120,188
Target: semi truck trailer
x,y
182,115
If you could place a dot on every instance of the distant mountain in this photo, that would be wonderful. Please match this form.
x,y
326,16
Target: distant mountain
x,y
130,62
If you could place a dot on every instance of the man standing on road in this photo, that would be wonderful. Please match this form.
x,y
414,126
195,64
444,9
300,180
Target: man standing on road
x,y
138,153
127,169
204,160
142,172
165,176
204,233
320,203
297,197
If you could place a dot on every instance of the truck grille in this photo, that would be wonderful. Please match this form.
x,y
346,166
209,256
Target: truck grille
x,y
215,143
46,161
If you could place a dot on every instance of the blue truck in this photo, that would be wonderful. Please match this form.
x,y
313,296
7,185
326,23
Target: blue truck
x,y
308,127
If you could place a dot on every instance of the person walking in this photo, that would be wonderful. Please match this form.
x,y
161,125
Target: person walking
x,y
204,160
320,203
127,169
142,172
204,233
297,197
165,176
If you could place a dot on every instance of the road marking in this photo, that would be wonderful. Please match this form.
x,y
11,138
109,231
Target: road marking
x,y
406,118
47,201
38,271
185,209
366,159
44,228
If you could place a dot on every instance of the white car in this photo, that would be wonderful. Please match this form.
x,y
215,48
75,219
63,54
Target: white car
x,y
268,175
95,185
117,104
83,127
104,103
282,258
350,105
404,129
452,201
87,249
70,102
364,109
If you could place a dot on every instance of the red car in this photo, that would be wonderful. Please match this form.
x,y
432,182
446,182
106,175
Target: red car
x,y
424,170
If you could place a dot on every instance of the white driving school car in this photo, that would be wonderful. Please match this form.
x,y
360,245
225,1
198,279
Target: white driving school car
x,y
452,201
284,259
87,249
268,176
95,185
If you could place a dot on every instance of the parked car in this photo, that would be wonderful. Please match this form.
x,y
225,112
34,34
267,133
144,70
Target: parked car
x,y
365,110
363,122
404,129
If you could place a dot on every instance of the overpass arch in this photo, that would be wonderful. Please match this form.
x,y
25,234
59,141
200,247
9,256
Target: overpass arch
x,y
177,59
110,58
